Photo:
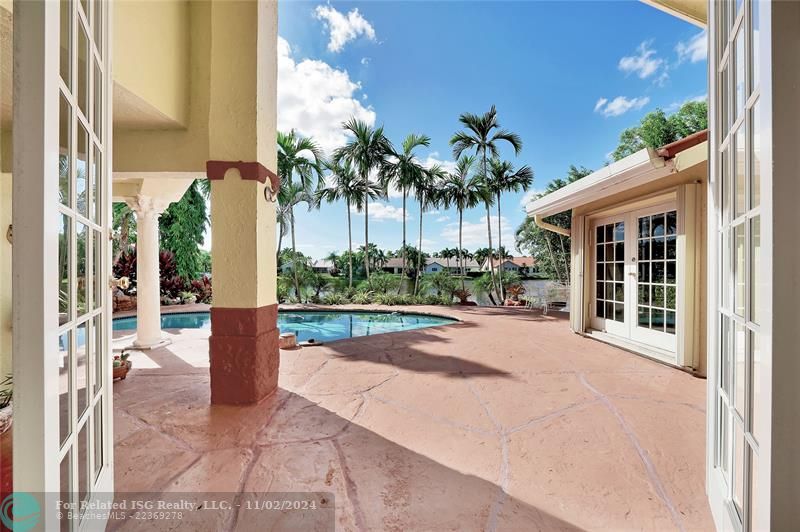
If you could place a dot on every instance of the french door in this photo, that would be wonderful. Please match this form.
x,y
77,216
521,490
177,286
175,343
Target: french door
x,y
63,435
635,257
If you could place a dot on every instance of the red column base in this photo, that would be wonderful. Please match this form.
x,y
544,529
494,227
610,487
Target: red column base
x,y
244,354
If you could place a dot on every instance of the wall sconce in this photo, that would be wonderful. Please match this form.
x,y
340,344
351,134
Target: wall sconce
x,y
269,195
10,234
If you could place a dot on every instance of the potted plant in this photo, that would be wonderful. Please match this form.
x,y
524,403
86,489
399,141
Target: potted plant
x,y
122,365
514,292
6,394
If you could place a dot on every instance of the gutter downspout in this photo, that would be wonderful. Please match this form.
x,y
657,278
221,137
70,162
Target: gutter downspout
x,y
537,219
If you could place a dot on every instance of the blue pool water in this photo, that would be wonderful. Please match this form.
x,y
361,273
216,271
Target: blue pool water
x,y
322,326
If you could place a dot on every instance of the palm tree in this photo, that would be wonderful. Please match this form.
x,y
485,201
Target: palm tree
x,y
427,189
480,255
285,218
366,151
503,178
463,190
301,157
481,137
344,184
402,170
290,195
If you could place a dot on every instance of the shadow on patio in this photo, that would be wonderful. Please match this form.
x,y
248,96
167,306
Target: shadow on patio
x,y
493,424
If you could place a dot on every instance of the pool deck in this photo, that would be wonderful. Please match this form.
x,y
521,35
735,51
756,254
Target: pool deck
x,y
504,421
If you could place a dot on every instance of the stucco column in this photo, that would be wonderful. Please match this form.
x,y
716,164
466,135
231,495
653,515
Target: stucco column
x,y
243,346
148,289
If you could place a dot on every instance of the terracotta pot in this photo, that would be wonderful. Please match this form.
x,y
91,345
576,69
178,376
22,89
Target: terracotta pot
x,y
121,371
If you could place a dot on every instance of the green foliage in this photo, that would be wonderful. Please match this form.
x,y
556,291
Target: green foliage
x,y
362,297
657,129
205,261
285,285
510,278
550,250
335,298
181,229
442,283
382,283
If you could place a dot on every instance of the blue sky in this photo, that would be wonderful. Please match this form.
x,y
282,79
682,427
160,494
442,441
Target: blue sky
x,y
567,76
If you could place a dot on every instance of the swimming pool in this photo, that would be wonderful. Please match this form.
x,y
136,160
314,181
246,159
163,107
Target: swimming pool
x,y
322,326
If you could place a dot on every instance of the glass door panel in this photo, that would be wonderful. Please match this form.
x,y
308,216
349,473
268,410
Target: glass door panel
x,y
84,339
655,279
609,310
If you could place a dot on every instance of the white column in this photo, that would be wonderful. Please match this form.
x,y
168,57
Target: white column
x,y
148,290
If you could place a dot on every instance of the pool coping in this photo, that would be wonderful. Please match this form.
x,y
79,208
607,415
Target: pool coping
x,y
352,308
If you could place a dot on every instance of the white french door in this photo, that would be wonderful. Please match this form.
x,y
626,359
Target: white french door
x,y
63,437
635,264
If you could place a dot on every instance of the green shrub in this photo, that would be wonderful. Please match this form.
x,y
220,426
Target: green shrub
x,y
362,297
383,283
335,299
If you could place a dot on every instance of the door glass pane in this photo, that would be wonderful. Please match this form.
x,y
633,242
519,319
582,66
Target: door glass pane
x,y
81,170
64,292
66,42
738,269
64,389
99,289
739,350
82,256
758,420
755,495
738,467
95,174
82,365
97,20
725,354
755,24
83,71
84,475
99,359
64,152
65,473
755,136
97,123
739,58
739,181
756,282
98,437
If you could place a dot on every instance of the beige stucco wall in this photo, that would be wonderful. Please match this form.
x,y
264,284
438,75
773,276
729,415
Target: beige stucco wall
x,y
151,53
5,275
689,189
179,150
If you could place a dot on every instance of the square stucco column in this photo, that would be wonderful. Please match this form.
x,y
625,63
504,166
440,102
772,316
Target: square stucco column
x,y
242,134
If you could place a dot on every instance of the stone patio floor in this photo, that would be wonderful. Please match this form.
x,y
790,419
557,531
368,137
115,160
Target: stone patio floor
x,y
505,421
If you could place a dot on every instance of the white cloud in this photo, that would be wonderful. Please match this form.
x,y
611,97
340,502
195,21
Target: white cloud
x,y
383,211
365,60
441,219
600,103
693,50
343,28
644,64
620,105
529,196
475,235
315,98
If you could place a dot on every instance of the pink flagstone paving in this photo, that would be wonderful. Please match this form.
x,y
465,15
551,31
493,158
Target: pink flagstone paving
x,y
504,421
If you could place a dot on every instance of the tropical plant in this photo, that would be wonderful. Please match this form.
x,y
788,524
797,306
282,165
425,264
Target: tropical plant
x,y
402,171
284,286
367,150
442,283
550,250
515,291
503,178
480,135
427,190
298,157
125,266
463,295
182,229
485,285
7,391
463,190
201,288
123,229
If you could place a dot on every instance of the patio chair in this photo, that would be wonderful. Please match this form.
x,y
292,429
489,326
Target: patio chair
x,y
557,296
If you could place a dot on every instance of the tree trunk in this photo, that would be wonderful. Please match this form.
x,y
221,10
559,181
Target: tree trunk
x,y
553,258
349,245
460,248
403,272
280,241
499,247
294,259
491,253
419,252
566,258
366,227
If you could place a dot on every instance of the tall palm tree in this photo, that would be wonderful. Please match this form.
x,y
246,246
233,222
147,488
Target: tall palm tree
x,y
463,190
285,218
427,189
480,135
503,178
367,151
402,170
297,157
344,184
290,195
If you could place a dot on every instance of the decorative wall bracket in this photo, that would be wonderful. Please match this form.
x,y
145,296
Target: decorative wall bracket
x,y
215,170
